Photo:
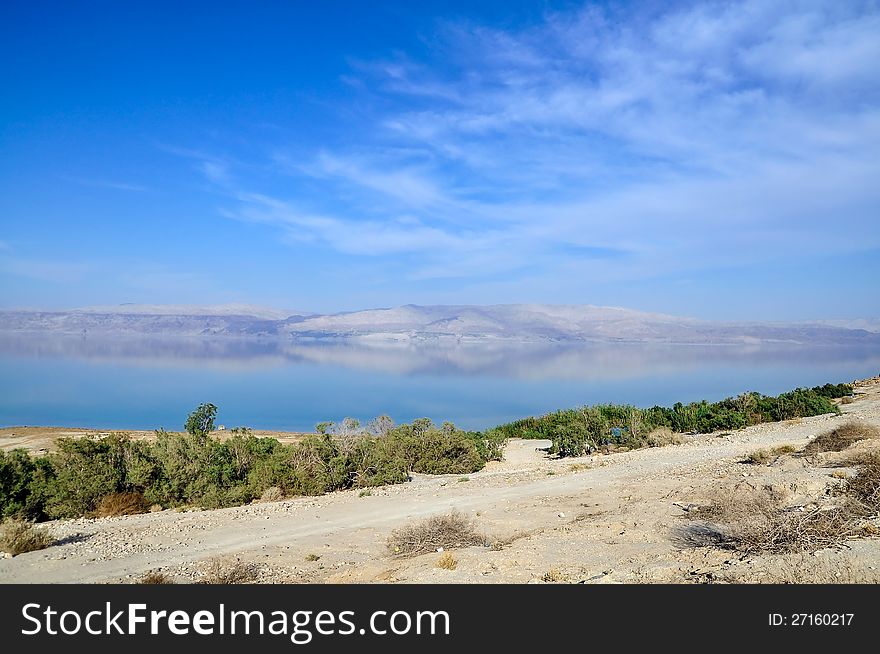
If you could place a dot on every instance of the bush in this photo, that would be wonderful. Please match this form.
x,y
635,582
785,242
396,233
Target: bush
x,y
662,436
446,531
130,503
608,426
864,486
18,474
757,522
155,578
842,437
447,561
20,536
222,571
83,471
763,457
833,391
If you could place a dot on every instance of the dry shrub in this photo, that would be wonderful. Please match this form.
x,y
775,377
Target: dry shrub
x,y
663,436
846,400
864,486
553,576
121,504
155,577
447,561
447,531
757,522
762,457
272,494
840,438
759,457
221,571
499,543
20,536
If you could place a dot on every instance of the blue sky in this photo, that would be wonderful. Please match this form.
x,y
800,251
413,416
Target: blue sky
x,y
719,160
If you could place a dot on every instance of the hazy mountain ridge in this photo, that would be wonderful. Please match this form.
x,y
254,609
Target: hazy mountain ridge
x,y
510,321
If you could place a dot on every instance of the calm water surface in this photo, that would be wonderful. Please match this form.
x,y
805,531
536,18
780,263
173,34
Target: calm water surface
x,y
151,383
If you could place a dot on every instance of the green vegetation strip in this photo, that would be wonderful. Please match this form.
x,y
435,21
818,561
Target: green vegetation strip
x,y
116,475
578,431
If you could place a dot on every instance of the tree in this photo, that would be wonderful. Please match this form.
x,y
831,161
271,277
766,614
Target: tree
x,y
201,421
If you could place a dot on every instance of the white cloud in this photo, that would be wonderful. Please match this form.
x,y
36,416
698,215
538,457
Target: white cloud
x,y
681,139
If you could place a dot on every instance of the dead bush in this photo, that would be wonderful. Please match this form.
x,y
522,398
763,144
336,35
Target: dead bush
x,y
224,571
840,438
553,576
20,536
272,494
121,504
663,436
764,457
757,522
447,531
447,561
155,577
864,486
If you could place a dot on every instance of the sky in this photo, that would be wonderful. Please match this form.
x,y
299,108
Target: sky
x,y
717,160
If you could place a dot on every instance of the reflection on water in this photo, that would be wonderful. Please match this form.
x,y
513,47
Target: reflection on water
x,y
147,382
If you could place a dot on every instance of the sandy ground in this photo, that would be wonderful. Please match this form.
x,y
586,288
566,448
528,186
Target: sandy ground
x,y
598,519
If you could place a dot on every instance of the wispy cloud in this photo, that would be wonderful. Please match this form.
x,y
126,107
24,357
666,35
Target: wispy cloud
x,y
672,139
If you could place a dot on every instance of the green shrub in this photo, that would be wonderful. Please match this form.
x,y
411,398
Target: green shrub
x,y
578,431
18,471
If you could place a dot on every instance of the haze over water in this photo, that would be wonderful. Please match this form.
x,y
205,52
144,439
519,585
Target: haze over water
x,y
148,383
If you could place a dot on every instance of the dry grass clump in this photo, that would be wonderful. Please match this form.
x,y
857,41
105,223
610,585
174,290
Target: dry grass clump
x,y
840,438
222,571
272,494
447,531
447,561
553,576
763,457
846,400
20,536
864,486
155,577
663,436
121,504
757,522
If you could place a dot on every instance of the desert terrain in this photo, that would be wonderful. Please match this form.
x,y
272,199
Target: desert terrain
x,y
618,518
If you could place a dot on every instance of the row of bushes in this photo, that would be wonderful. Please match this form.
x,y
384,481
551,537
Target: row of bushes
x,y
196,469
576,431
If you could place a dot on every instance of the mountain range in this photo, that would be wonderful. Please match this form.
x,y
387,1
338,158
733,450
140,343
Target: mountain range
x,y
526,322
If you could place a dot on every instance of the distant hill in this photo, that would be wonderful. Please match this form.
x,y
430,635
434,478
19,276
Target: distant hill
x,y
529,322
